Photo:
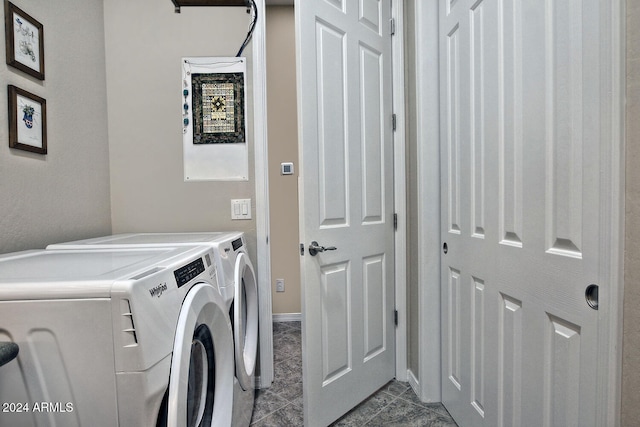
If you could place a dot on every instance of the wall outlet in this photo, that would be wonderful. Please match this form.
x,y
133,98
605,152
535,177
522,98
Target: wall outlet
x,y
279,285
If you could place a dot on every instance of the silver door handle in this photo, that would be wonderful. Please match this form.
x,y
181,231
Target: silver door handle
x,y
314,248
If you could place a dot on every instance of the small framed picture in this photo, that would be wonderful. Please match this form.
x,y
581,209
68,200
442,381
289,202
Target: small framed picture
x,y
24,41
27,121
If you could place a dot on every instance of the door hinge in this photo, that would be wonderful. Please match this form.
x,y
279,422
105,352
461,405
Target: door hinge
x,y
395,221
301,249
395,317
392,22
394,121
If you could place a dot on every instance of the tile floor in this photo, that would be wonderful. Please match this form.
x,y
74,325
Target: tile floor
x,y
281,405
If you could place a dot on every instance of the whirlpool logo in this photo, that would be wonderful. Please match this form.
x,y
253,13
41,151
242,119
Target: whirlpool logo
x,y
158,290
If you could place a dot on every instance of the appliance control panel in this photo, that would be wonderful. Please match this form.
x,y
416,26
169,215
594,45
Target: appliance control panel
x,y
237,244
189,272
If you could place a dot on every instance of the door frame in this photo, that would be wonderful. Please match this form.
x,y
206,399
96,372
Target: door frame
x,y
263,269
262,192
400,187
612,245
611,389
261,171
428,383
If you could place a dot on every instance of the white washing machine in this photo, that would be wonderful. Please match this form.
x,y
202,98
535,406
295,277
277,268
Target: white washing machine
x,y
115,337
238,285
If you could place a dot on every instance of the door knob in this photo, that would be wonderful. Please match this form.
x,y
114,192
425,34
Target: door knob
x,y
591,295
314,248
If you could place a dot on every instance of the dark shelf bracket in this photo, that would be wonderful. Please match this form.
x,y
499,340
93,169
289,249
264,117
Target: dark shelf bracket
x,y
179,3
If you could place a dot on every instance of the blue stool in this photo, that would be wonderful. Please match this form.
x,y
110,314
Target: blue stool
x,y
8,352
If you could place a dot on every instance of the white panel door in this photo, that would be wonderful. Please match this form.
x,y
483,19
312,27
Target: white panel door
x,y
346,202
521,146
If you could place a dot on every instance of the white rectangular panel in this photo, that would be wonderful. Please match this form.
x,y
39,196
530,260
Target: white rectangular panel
x,y
332,128
370,15
562,374
453,129
211,162
450,5
454,325
564,75
510,363
374,287
373,165
336,322
477,344
478,121
511,129
338,4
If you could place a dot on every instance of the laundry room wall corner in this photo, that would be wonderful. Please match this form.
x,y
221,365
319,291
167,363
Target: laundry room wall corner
x,y
64,194
423,257
144,89
145,43
283,147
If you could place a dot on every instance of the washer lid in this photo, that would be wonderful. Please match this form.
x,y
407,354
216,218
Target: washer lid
x,y
150,240
89,273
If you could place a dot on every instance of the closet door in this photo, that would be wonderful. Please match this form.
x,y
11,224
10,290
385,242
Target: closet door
x,y
524,208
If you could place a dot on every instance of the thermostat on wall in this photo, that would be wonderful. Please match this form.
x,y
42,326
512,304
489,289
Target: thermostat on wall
x,y
286,168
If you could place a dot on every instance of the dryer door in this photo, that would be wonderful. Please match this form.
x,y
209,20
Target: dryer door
x,y
201,378
245,321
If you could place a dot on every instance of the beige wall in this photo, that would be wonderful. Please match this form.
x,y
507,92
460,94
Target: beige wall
x,y
630,414
65,194
413,339
283,147
145,41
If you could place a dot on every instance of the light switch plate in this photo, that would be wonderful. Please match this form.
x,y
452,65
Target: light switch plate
x,y
240,208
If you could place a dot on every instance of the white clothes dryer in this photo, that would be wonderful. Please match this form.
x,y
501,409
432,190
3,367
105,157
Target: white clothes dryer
x,y
115,337
237,284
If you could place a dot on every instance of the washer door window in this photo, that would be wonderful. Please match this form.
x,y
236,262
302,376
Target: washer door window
x,y
201,378
245,315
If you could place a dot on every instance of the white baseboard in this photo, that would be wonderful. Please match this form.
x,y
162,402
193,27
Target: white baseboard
x,y
414,383
287,317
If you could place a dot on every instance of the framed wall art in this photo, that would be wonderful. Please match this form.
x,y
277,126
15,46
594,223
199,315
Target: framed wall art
x,y
214,119
24,38
27,121
218,108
